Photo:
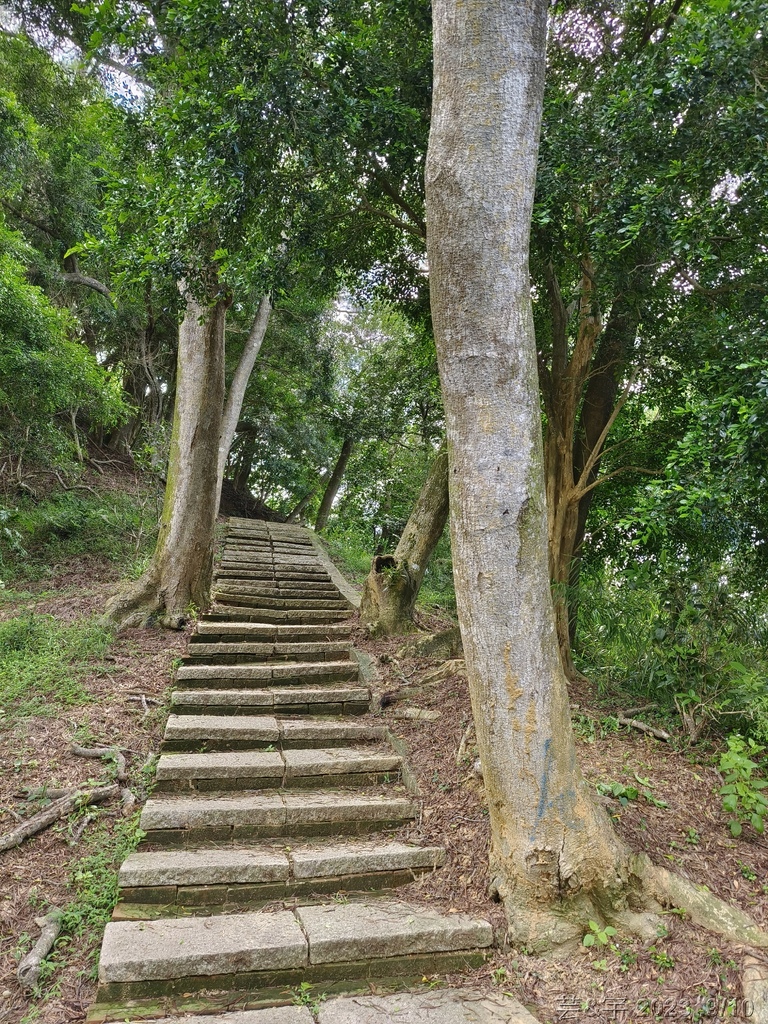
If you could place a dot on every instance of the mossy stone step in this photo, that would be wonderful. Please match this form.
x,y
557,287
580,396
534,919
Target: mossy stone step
x,y
242,597
162,883
237,652
265,815
293,700
270,616
273,673
254,732
216,631
357,940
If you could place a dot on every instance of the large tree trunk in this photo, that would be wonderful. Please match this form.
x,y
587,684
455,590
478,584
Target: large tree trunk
x,y
553,853
334,484
237,388
393,584
178,578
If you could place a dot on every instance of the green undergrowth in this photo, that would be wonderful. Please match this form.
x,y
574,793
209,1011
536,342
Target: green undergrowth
x,y
352,550
93,889
117,525
42,664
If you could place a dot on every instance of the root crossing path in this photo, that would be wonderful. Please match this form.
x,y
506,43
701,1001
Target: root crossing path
x,y
266,881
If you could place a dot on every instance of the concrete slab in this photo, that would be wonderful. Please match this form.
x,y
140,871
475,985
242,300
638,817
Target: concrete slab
x,y
218,727
203,867
316,729
338,761
257,809
179,947
273,1015
361,858
320,695
339,806
387,928
246,764
441,1006
223,698
200,946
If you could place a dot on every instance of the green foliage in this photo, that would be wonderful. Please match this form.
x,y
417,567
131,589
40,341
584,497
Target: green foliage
x,y
601,934
118,525
742,792
93,883
303,996
42,662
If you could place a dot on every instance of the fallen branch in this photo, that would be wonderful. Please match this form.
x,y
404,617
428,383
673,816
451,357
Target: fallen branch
x,y
113,753
35,824
44,793
141,699
82,825
28,971
635,723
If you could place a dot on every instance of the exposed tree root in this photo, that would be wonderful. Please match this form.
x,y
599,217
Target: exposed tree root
x,y
446,644
28,971
142,604
56,810
112,753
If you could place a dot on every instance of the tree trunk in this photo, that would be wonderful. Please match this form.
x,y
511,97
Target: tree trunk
x,y
237,388
580,398
333,485
178,578
554,857
393,584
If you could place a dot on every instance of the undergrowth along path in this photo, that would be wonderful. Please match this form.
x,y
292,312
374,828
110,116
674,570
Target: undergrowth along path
x,y
266,878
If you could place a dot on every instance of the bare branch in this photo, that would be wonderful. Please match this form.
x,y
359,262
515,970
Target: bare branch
x,y
86,282
404,225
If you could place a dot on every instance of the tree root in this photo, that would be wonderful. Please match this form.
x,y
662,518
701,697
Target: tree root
x,y
73,802
701,906
142,604
114,753
28,971
634,723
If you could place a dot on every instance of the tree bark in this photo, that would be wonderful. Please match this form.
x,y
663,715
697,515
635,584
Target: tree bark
x,y
334,484
237,388
554,857
393,584
178,578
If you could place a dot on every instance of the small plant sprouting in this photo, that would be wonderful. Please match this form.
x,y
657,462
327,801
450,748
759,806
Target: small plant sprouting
x,y
599,934
302,996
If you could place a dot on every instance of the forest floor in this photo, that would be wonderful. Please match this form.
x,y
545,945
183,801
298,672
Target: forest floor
x,y
686,974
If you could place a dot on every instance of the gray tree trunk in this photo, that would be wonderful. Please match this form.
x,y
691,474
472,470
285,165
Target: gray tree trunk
x,y
393,584
554,857
334,484
178,578
237,388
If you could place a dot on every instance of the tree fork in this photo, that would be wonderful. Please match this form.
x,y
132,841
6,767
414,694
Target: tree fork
x,y
392,586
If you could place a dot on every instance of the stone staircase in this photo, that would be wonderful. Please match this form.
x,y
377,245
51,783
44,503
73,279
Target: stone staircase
x,y
276,789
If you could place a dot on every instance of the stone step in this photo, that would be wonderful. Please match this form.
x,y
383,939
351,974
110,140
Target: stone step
x,y
349,942
436,1006
249,600
220,771
279,597
268,574
295,700
272,673
245,556
164,882
236,653
290,590
182,821
257,632
268,615
254,732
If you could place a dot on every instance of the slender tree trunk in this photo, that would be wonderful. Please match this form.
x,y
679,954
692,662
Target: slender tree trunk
x,y
178,578
393,584
237,388
333,486
553,852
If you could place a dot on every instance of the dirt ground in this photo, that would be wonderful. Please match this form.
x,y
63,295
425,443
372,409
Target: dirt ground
x,y
686,974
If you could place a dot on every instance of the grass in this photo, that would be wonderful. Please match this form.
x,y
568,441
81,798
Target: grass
x,y
119,526
42,662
